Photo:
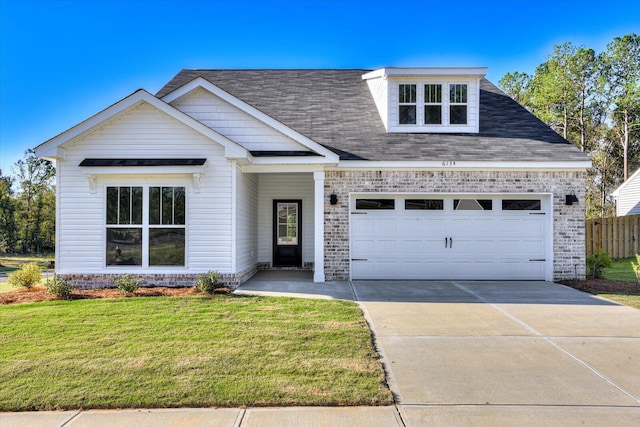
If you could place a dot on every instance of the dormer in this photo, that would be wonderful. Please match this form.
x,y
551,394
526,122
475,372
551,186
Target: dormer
x,y
427,100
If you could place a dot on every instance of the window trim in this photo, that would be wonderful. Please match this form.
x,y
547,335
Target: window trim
x,y
472,89
146,226
408,104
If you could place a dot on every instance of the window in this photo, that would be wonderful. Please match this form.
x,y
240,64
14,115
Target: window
x,y
166,225
432,104
472,205
424,204
375,204
458,104
158,239
124,243
521,205
407,104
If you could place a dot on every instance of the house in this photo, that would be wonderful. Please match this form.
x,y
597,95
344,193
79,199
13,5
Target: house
x,y
394,173
627,196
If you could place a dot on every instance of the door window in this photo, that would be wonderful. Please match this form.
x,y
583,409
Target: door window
x,y
287,224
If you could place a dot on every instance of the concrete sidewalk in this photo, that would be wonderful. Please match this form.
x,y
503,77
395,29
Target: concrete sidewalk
x,y
455,353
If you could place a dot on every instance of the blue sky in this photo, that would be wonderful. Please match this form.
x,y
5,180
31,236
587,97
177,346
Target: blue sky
x,y
61,61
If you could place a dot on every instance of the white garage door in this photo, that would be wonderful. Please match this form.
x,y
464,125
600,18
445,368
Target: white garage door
x,y
471,237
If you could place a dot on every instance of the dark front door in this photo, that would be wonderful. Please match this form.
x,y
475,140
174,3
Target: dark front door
x,y
287,237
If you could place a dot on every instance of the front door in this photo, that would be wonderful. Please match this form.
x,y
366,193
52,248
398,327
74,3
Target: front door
x,y
287,237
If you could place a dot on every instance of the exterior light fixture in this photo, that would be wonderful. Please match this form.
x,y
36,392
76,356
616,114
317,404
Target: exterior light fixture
x,y
571,199
333,199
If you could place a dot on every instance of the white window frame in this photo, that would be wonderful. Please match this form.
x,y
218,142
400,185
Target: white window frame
x,y
146,225
414,104
445,105
458,104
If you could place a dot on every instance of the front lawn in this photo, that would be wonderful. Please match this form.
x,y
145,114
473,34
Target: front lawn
x,y
620,270
187,351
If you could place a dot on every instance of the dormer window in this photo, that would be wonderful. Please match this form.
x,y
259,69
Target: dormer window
x,y
432,104
427,100
458,104
407,106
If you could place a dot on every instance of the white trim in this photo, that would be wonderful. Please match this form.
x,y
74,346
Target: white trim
x,y
234,220
51,148
280,168
455,165
427,71
318,224
200,82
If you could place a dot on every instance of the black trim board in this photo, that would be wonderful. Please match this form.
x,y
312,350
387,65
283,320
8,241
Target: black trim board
x,y
142,162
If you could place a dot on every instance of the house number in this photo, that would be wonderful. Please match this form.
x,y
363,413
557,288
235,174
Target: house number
x,y
448,163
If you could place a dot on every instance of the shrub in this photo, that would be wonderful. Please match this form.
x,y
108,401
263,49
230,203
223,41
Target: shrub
x,y
27,275
127,284
597,262
59,287
208,282
636,267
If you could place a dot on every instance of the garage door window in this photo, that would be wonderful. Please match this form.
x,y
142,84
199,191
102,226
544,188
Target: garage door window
x,y
424,204
521,205
375,204
472,205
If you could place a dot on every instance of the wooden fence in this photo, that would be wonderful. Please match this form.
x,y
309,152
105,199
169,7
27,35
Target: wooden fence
x,y
617,236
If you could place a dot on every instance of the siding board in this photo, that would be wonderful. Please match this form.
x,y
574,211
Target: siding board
x,y
144,132
233,123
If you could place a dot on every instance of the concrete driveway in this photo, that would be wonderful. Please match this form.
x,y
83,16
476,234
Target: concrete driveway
x,y
505,353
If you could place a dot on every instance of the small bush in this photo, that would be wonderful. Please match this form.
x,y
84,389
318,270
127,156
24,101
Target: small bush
x,y
597,262
27,276
127,284
59,287
636,267
208,282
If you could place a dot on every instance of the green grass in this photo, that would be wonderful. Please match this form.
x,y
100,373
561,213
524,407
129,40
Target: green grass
x,y
187,351
630,300
620,270
11,262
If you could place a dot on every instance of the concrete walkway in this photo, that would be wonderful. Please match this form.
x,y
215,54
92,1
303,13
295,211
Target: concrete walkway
x,y
455,353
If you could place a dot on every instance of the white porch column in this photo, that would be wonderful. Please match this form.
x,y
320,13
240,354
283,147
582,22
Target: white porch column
x,y
318,223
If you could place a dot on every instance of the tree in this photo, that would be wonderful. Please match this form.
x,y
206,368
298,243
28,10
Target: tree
x,y
620,80
8,229
34,180
516,85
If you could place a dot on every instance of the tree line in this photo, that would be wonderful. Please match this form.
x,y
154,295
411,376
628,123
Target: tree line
x,y
592,100
27,207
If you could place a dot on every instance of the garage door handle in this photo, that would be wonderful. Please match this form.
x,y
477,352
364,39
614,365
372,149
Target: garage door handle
x,y
445,243
450,243
359,259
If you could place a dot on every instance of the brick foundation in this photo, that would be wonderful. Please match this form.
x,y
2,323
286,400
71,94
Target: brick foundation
x,y
96,281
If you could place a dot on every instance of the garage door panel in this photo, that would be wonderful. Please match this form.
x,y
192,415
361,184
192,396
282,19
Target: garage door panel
x,y
479,245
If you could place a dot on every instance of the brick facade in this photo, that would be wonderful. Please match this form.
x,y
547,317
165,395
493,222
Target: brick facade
x,y
568,221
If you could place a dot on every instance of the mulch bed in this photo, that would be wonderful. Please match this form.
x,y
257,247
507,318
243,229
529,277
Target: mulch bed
x,y
603,286
39,293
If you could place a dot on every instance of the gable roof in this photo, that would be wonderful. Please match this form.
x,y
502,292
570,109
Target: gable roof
x,y
335,109
52,148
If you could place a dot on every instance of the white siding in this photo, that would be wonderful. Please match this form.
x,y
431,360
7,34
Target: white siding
x,y
628,201
379,90
246,220
233,123
285,186
144,132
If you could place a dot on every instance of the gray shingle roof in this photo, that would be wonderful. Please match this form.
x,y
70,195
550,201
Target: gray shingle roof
x,y
335,108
